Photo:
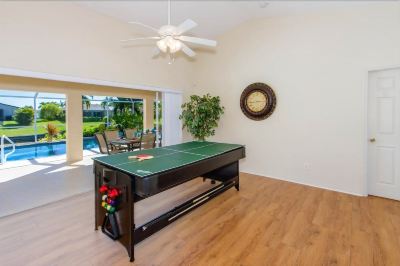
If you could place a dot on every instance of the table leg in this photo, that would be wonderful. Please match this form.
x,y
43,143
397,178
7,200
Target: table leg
x,y
132,246
96,189
237,185
132,232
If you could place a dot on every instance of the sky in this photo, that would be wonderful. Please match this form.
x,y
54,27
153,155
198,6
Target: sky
x,y
13,97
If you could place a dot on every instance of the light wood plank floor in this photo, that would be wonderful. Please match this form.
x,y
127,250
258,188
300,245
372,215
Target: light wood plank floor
x,y
269,222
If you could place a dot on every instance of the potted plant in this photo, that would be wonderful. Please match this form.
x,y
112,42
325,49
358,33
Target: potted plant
x,y
200,115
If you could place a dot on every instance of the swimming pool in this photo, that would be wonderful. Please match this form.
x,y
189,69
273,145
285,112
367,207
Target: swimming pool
x,y
38,150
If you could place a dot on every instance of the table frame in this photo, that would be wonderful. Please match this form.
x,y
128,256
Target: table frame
x,y
223,168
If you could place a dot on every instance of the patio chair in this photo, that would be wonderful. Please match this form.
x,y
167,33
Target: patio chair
x,y
147,141
103,147
112,135
159,140
130,133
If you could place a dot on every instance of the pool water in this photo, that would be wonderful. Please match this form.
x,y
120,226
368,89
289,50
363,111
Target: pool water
x,y
39,150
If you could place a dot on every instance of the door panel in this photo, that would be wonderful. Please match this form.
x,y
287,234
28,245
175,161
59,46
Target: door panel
x,y
384,134
385,115
385,165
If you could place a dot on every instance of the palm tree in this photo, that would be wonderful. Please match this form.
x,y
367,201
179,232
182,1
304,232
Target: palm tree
x,y
106,102
122,104
86,101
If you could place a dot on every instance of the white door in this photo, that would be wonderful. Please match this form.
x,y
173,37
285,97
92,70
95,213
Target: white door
x,y
384,134
171,124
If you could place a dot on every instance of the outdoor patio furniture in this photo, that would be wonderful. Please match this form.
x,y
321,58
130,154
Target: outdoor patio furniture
x,y
159,136
103,146
147,141
111,136
102,143
130,144
130,133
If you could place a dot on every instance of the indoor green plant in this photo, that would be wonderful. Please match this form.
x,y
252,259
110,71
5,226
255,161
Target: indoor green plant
x,y
200,115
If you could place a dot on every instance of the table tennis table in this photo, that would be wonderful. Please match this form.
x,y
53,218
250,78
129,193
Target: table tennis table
x,y
171,166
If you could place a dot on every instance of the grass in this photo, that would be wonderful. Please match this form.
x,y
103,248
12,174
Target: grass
x,y
8,130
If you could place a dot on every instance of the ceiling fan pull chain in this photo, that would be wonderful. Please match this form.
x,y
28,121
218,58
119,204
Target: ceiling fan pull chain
x,y
171,59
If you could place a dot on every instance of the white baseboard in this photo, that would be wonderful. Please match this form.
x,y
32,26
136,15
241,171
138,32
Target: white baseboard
x,y
305,184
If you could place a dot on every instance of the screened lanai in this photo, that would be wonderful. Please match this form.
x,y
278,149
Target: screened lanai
x,y
20,113
121,112
36,121
105,106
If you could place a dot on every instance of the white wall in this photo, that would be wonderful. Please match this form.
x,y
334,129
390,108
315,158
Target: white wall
x,y
317,65
68,39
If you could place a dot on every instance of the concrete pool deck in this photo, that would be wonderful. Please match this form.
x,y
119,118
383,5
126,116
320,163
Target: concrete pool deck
x,y
27,184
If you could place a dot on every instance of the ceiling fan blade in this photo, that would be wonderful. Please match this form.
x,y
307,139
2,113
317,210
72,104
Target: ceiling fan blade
x,y
143,25
200,41
141,38
186,26
187,50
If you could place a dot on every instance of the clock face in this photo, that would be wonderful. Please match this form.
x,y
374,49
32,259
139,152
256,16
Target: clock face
x,y
258,101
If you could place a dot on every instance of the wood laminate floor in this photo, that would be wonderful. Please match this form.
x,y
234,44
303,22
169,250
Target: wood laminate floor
x,y
269,222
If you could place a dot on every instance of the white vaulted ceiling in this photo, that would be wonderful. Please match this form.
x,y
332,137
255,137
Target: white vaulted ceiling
x,y
213,17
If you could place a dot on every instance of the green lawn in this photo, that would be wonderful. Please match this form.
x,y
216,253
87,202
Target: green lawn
x,y
8,130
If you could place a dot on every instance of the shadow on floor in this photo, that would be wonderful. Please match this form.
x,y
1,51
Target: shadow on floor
x,y
30,186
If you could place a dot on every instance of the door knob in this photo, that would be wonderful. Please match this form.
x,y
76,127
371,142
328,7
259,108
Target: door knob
x,y
372,140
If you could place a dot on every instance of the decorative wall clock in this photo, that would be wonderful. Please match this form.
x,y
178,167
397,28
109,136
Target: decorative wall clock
x,y
258,101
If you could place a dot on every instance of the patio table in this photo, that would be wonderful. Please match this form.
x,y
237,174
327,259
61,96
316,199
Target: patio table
x,y
130,144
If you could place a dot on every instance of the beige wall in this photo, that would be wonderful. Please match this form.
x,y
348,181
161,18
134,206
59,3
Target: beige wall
x,y
29,84
67,39
317,65
74,126
74,92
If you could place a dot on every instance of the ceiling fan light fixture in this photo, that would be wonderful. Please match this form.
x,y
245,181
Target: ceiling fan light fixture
x,y
162,45
174,46
170,38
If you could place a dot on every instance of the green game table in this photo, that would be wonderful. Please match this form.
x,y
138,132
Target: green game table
x,y
169,167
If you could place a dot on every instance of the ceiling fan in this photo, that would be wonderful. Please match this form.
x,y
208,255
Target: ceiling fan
x,y
170,38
